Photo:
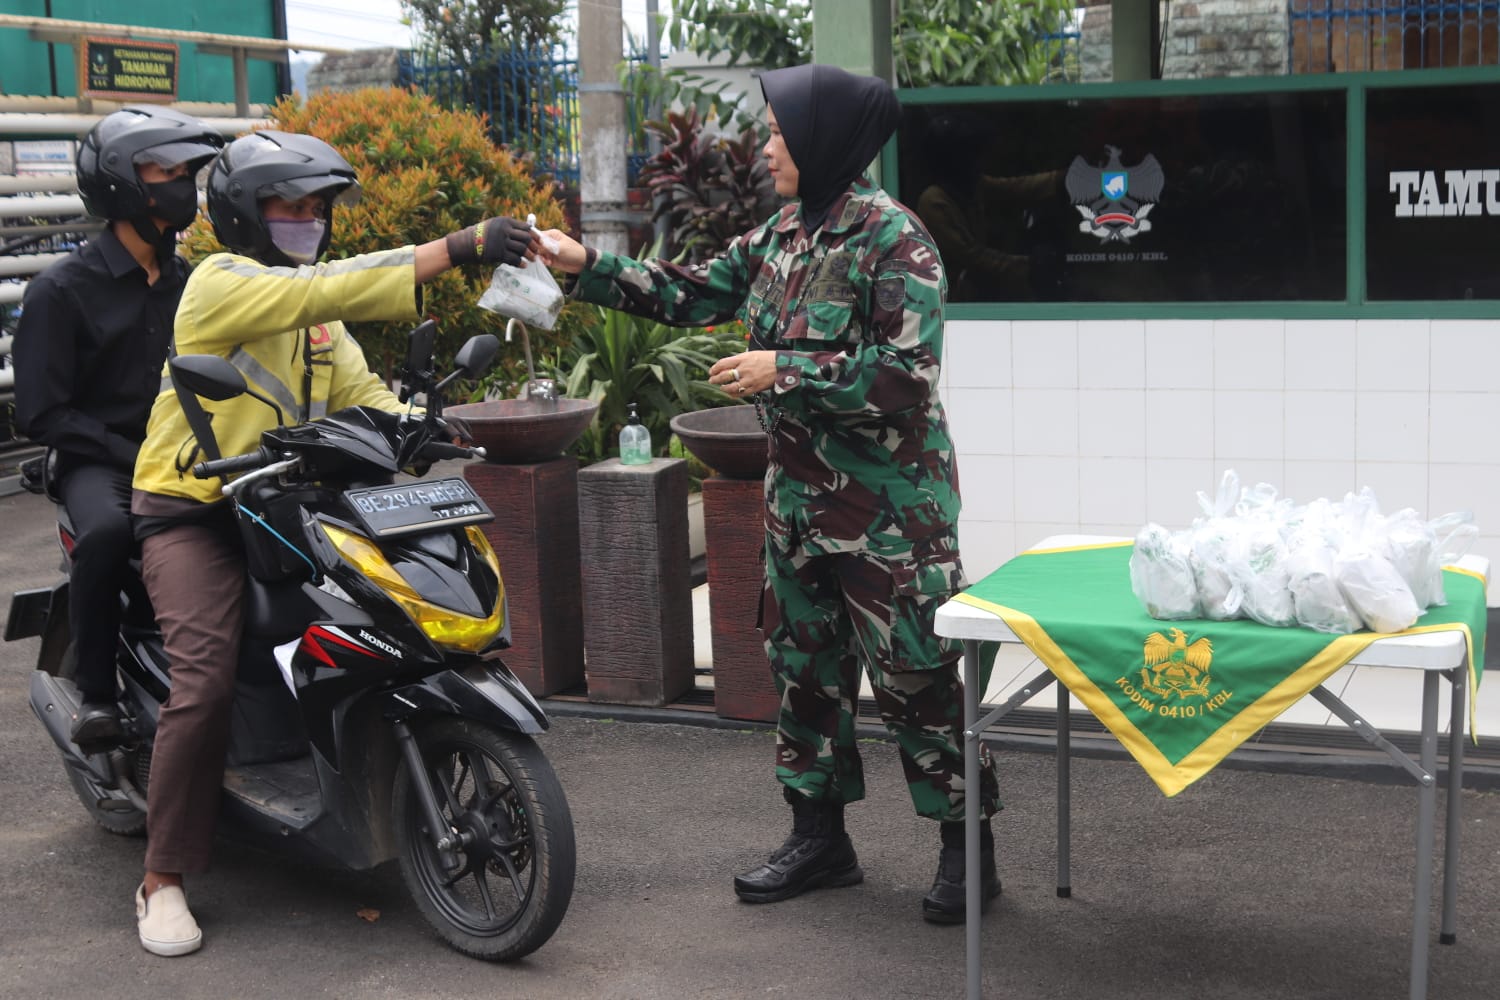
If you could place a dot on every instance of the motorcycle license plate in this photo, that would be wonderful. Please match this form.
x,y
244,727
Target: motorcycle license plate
x,y
404,508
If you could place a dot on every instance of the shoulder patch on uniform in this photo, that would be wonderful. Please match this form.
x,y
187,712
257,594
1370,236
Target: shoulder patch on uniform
x,y
890,292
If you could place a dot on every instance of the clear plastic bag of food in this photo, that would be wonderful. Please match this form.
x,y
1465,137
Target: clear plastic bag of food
x,y
1211,550
1319,602
1259,567
528,293
1375,589
1160,575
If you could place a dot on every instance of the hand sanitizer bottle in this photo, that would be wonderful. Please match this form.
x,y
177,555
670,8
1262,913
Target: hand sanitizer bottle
x,y
635,441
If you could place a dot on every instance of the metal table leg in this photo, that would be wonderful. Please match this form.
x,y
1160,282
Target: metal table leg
x,y
971,814
1064,793
1456,719
1426,814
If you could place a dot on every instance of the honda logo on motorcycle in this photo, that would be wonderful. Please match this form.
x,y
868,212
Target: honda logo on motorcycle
x,y
320,639
380,644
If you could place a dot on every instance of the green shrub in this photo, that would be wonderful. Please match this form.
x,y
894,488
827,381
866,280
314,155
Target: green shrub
x,y
425,172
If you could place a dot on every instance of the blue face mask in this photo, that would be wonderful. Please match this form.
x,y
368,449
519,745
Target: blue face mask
x,y
299,239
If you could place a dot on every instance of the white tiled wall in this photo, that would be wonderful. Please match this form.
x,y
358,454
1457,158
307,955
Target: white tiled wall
x,y
1100,426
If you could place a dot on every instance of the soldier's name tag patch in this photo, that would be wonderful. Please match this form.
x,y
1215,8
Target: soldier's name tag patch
x,y
830,281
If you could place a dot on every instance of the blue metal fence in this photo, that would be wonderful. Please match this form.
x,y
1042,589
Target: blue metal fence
x,y
1067,53
1335,36
531,99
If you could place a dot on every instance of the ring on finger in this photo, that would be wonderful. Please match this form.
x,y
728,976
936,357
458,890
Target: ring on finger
x,y
734,374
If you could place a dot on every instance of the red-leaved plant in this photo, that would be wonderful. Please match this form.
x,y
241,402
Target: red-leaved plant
x,y
709,187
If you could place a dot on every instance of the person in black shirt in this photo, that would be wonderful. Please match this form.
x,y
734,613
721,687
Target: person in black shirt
x,y
89,347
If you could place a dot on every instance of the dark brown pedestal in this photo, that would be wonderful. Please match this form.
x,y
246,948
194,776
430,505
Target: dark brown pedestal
x,y
637,589
734,534
535,534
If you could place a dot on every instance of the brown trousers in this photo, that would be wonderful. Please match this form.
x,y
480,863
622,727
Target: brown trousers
x,y
195,574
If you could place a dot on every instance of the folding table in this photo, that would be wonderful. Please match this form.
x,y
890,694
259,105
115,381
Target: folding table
x,y
1435,654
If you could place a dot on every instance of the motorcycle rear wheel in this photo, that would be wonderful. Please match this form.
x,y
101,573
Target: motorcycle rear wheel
x,y
504,891
125,821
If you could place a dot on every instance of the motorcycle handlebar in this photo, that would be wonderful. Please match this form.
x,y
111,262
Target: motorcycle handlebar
x,y
226,466
438,450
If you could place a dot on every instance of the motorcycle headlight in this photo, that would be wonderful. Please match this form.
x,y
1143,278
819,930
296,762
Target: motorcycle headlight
x,y
447,628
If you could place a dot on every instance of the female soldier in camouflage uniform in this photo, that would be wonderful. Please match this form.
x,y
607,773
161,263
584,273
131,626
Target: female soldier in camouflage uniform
x,y
843,293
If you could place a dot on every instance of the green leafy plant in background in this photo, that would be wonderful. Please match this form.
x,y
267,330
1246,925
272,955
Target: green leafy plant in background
x,y
935,43
768,33
952,43
465,30
424,171
623,359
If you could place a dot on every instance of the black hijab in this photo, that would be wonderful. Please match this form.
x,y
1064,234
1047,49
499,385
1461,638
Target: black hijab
x,y
834,124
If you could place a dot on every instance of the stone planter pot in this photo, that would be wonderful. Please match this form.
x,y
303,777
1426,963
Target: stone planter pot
x,y
729,440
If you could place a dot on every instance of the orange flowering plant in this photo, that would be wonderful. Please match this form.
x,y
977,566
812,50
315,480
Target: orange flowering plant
x,y
425,171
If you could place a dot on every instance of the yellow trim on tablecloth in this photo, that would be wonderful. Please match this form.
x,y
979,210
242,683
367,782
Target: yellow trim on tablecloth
x,y
1173,778
1079,548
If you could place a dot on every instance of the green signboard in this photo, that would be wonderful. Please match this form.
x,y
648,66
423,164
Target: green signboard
x,y
129,70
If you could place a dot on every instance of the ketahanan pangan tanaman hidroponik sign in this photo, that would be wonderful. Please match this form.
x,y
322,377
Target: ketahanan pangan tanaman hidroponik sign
x,y
124,69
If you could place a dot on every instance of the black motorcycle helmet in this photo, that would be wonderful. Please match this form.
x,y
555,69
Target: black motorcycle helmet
x,y
108,155
256,166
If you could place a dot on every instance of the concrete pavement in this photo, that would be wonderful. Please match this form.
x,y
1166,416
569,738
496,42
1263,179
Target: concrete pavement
x,y
1250,884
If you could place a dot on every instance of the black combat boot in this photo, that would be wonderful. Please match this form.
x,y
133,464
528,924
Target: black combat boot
x,y
818,854
945,902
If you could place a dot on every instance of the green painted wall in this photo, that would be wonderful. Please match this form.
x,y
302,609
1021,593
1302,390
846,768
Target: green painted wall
x,y
26,69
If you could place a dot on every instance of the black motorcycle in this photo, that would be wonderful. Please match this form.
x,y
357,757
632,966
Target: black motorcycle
x,y
372,717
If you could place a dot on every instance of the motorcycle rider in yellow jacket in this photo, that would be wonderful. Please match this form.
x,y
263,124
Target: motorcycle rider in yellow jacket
x,y
277,315
229,299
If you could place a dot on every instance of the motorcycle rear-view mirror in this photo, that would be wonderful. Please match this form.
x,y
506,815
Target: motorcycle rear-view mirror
x,y
416,373
208,375
213,377
476,356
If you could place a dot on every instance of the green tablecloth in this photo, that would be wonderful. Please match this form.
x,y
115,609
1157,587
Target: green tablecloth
x,y
1181,695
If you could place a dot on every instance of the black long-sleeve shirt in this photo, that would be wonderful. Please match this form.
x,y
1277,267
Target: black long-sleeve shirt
x,y
89,348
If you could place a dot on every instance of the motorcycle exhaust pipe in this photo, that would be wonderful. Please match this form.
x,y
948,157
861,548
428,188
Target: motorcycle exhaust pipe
x,y
54,702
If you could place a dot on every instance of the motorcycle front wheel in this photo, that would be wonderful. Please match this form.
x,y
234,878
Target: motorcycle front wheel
x,y
501,891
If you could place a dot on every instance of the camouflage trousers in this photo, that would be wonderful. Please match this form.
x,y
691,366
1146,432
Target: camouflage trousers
x,y
824,616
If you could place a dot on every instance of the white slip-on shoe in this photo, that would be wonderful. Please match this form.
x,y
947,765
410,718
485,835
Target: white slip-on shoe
x,y
167,926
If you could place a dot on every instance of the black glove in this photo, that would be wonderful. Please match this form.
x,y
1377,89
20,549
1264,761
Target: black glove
x,y
493,241
459,429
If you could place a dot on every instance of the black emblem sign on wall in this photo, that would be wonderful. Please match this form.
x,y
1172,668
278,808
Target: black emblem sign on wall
x,y
1191,198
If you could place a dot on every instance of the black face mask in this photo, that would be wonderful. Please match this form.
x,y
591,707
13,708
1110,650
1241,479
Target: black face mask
x,y
176,202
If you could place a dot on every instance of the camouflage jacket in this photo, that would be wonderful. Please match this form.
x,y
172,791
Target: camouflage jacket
x,y
859,446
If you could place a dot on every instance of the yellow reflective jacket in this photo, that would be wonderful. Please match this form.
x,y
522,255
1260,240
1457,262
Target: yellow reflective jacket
x,y
262,319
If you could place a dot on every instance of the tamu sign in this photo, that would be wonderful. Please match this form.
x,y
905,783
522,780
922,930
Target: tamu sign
x,y
1420,194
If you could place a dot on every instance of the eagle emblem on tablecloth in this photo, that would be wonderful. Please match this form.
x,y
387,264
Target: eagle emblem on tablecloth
x,y
1173,666
1114,200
